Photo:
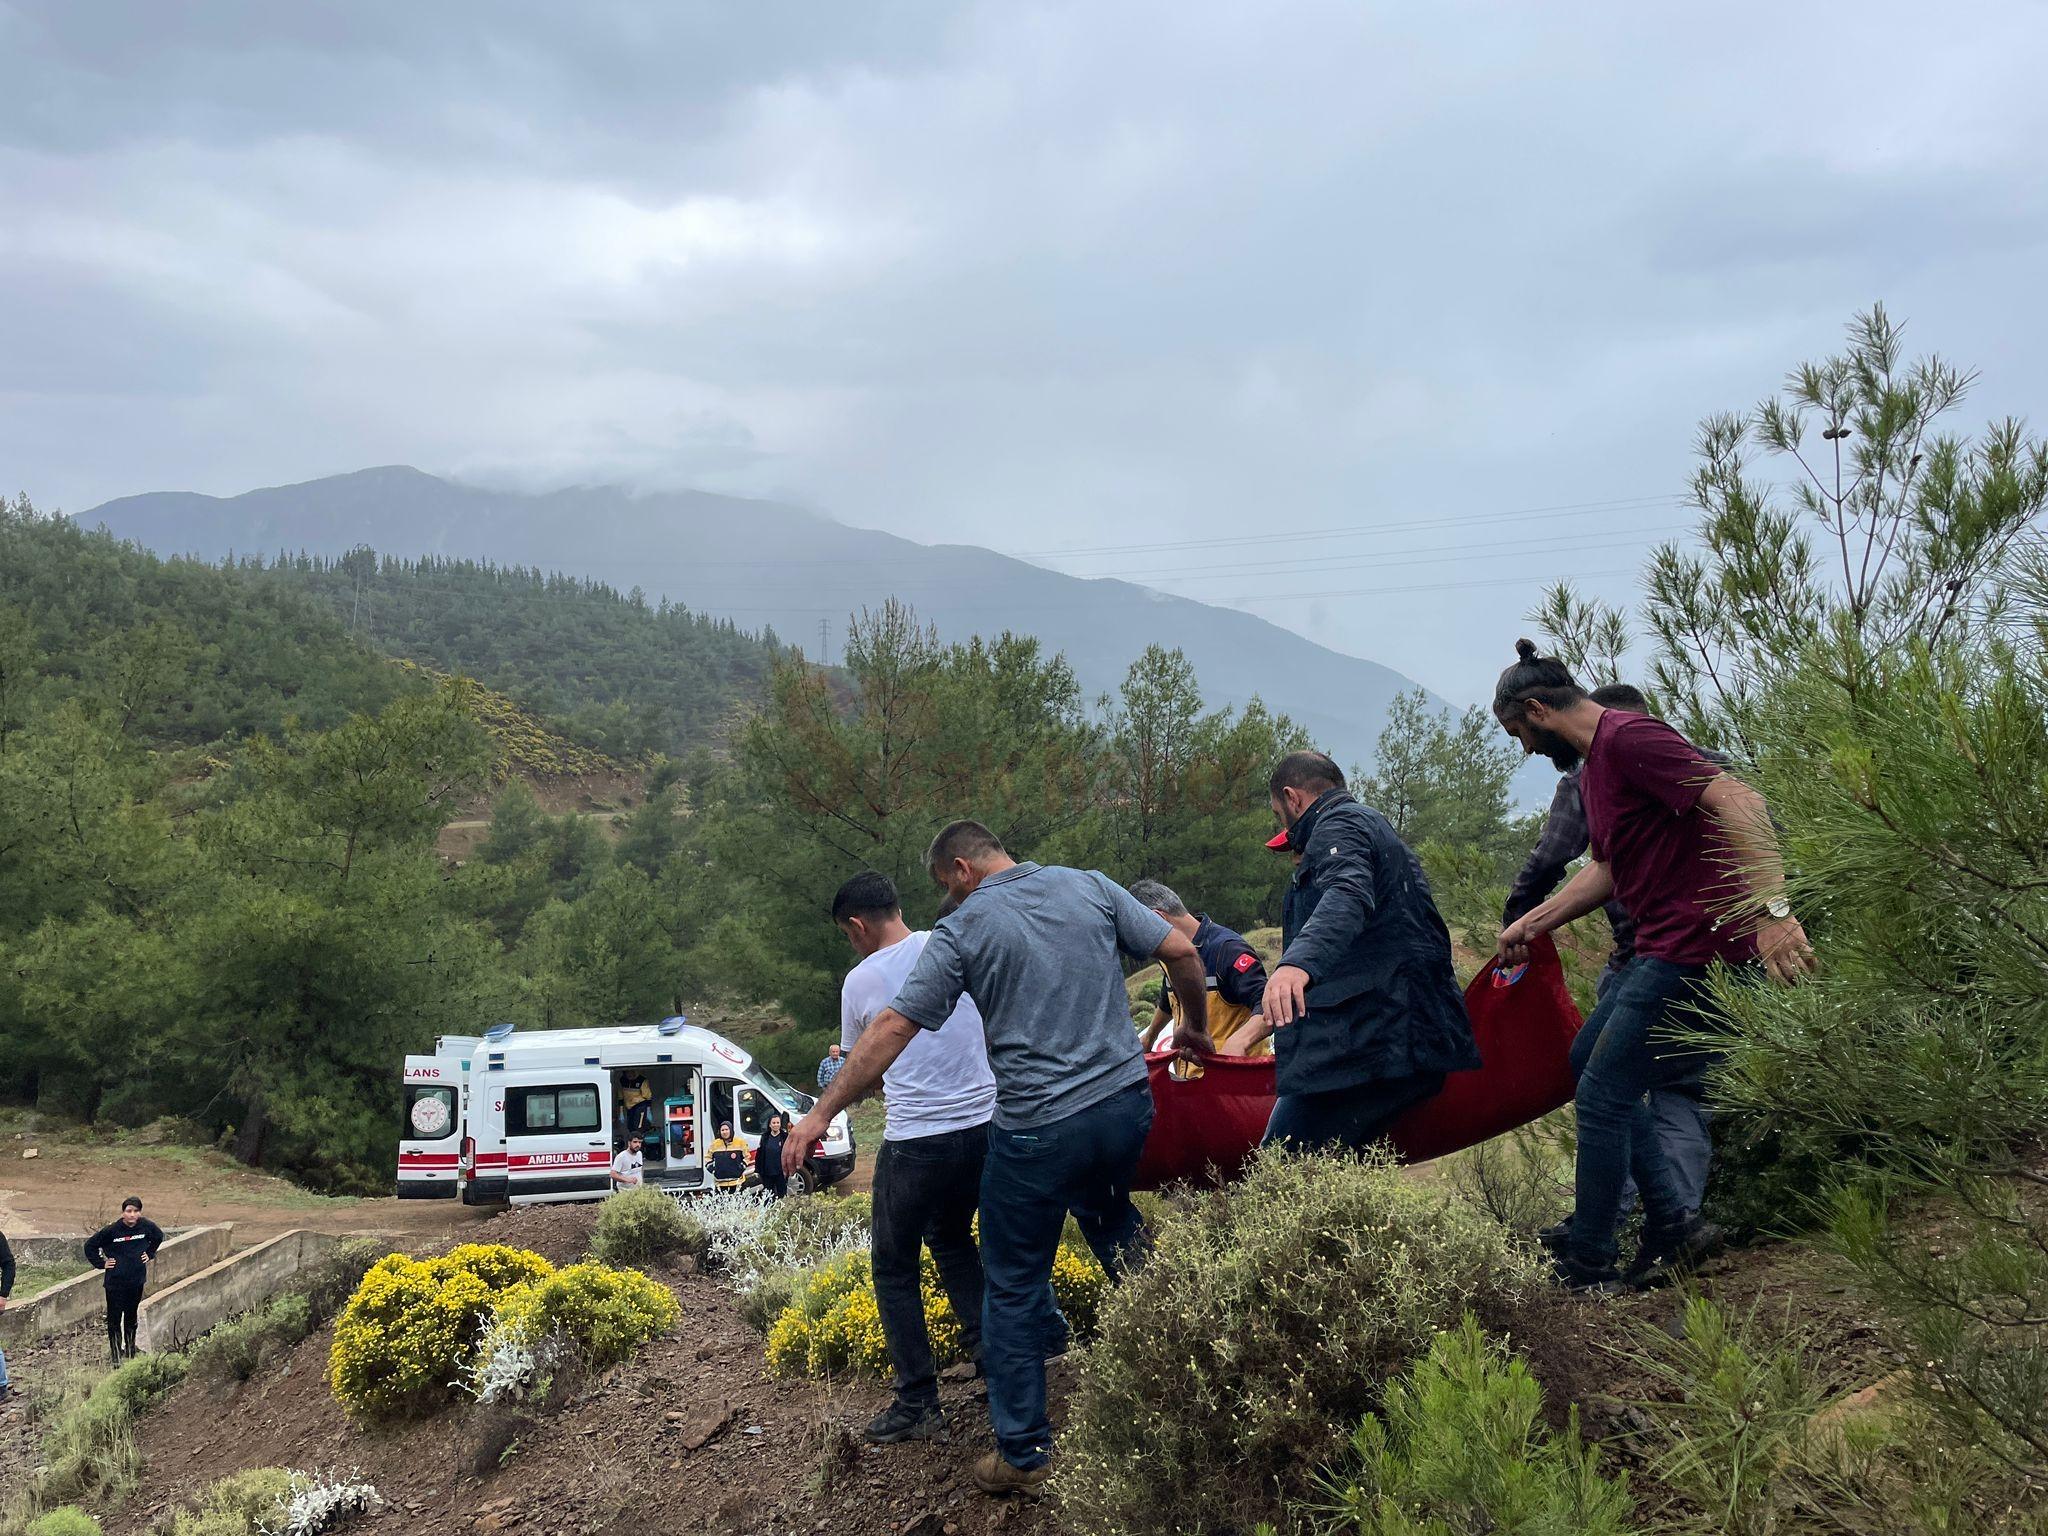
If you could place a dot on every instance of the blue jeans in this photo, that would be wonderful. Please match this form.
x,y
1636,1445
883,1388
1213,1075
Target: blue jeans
x,y
1350,1118
1684,1123
1031,1180
3,1370
1624,1053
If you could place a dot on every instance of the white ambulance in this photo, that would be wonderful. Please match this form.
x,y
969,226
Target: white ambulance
x,y
525,1117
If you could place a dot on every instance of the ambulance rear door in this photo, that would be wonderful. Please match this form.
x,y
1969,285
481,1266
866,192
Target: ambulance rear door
x,y
428,1144
558,1141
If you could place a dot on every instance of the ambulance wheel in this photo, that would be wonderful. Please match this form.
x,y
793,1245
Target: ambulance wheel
x,y
802,1182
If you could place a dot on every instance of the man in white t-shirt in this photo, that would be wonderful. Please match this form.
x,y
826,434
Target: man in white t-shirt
x,y
940,1095
627,1165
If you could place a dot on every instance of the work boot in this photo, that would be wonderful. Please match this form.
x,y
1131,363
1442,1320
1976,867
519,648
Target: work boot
x,y
1666,1255
1578,1278
902,1421
995,1475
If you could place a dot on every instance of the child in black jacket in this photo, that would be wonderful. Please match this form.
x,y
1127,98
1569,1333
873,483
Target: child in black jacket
x,y
124,1250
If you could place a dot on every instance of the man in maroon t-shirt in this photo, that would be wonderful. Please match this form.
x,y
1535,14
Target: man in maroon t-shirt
x,y
1689,852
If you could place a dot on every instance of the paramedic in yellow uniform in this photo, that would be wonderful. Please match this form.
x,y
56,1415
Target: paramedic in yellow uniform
x,y
1237,979
729,1158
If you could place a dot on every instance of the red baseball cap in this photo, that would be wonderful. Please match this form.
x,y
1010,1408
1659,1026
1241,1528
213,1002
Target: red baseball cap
x,y
1278,842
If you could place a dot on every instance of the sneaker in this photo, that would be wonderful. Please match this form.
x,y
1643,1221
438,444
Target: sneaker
x,y
1581,1279
8,1399
902,1421
994,1475
1666,1255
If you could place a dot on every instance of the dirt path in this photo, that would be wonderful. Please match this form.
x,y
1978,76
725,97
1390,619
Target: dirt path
x,y
76,1182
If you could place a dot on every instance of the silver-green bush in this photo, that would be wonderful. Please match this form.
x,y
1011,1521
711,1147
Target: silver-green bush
x,y
1246,1350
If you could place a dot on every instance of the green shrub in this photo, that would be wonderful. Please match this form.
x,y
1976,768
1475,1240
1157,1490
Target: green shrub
x,y
1740,1421
247,1504
1522,1180
1460,1449
641,1225
1244,1352
770,1297
67,1520
236,1349
604,1313
329,1281
90,1452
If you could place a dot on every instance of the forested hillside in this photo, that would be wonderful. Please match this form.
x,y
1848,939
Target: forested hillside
x,y
219,890
184,653
626,675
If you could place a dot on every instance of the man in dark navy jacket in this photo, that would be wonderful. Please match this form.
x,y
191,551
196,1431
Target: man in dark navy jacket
x,y
1366,1005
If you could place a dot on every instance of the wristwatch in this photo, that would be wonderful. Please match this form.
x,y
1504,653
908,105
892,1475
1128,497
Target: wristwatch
x,y
1778,909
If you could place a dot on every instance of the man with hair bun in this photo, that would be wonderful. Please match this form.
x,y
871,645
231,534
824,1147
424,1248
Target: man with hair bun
x,y
1689,853
1680,1113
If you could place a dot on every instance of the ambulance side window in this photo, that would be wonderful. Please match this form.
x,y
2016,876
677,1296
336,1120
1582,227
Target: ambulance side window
x,y
754,1111
548,1110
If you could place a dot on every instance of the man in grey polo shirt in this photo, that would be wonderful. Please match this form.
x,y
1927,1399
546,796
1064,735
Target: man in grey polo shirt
x,y
1038,949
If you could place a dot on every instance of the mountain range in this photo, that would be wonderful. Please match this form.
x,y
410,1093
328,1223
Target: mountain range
x,y
766,565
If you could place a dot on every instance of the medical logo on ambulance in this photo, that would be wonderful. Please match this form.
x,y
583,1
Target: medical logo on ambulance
x,y
719,1047
430,1116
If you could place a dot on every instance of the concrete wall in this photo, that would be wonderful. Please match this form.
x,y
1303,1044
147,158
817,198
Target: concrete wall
x,y
62,1306
59,1248
175,1316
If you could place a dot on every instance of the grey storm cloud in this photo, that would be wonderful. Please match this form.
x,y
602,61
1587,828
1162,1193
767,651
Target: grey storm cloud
x,y
1457,279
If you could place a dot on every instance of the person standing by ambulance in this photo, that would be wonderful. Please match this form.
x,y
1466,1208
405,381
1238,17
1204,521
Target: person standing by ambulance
x,y
124,1249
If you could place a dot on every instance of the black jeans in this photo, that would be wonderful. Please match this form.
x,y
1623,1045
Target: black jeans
x,y
926,1191
122,1300
1350,1118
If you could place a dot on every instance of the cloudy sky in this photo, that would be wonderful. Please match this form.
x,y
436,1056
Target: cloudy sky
x,y
1173,289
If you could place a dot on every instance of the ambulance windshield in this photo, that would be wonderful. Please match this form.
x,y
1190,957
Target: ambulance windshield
x,y
788,1097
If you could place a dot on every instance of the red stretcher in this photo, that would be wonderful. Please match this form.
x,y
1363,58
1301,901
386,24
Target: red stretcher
x,y
1205,1127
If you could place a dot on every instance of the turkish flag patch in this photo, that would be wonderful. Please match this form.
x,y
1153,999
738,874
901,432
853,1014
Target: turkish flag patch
x,y
1245,962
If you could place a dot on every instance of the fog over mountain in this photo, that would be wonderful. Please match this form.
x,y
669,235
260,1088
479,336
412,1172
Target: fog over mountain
x,y
765,564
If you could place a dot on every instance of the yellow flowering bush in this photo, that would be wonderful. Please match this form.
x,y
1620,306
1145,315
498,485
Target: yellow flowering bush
x,y
412,1328
604,1312
498,1265
404,1336
834,1327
